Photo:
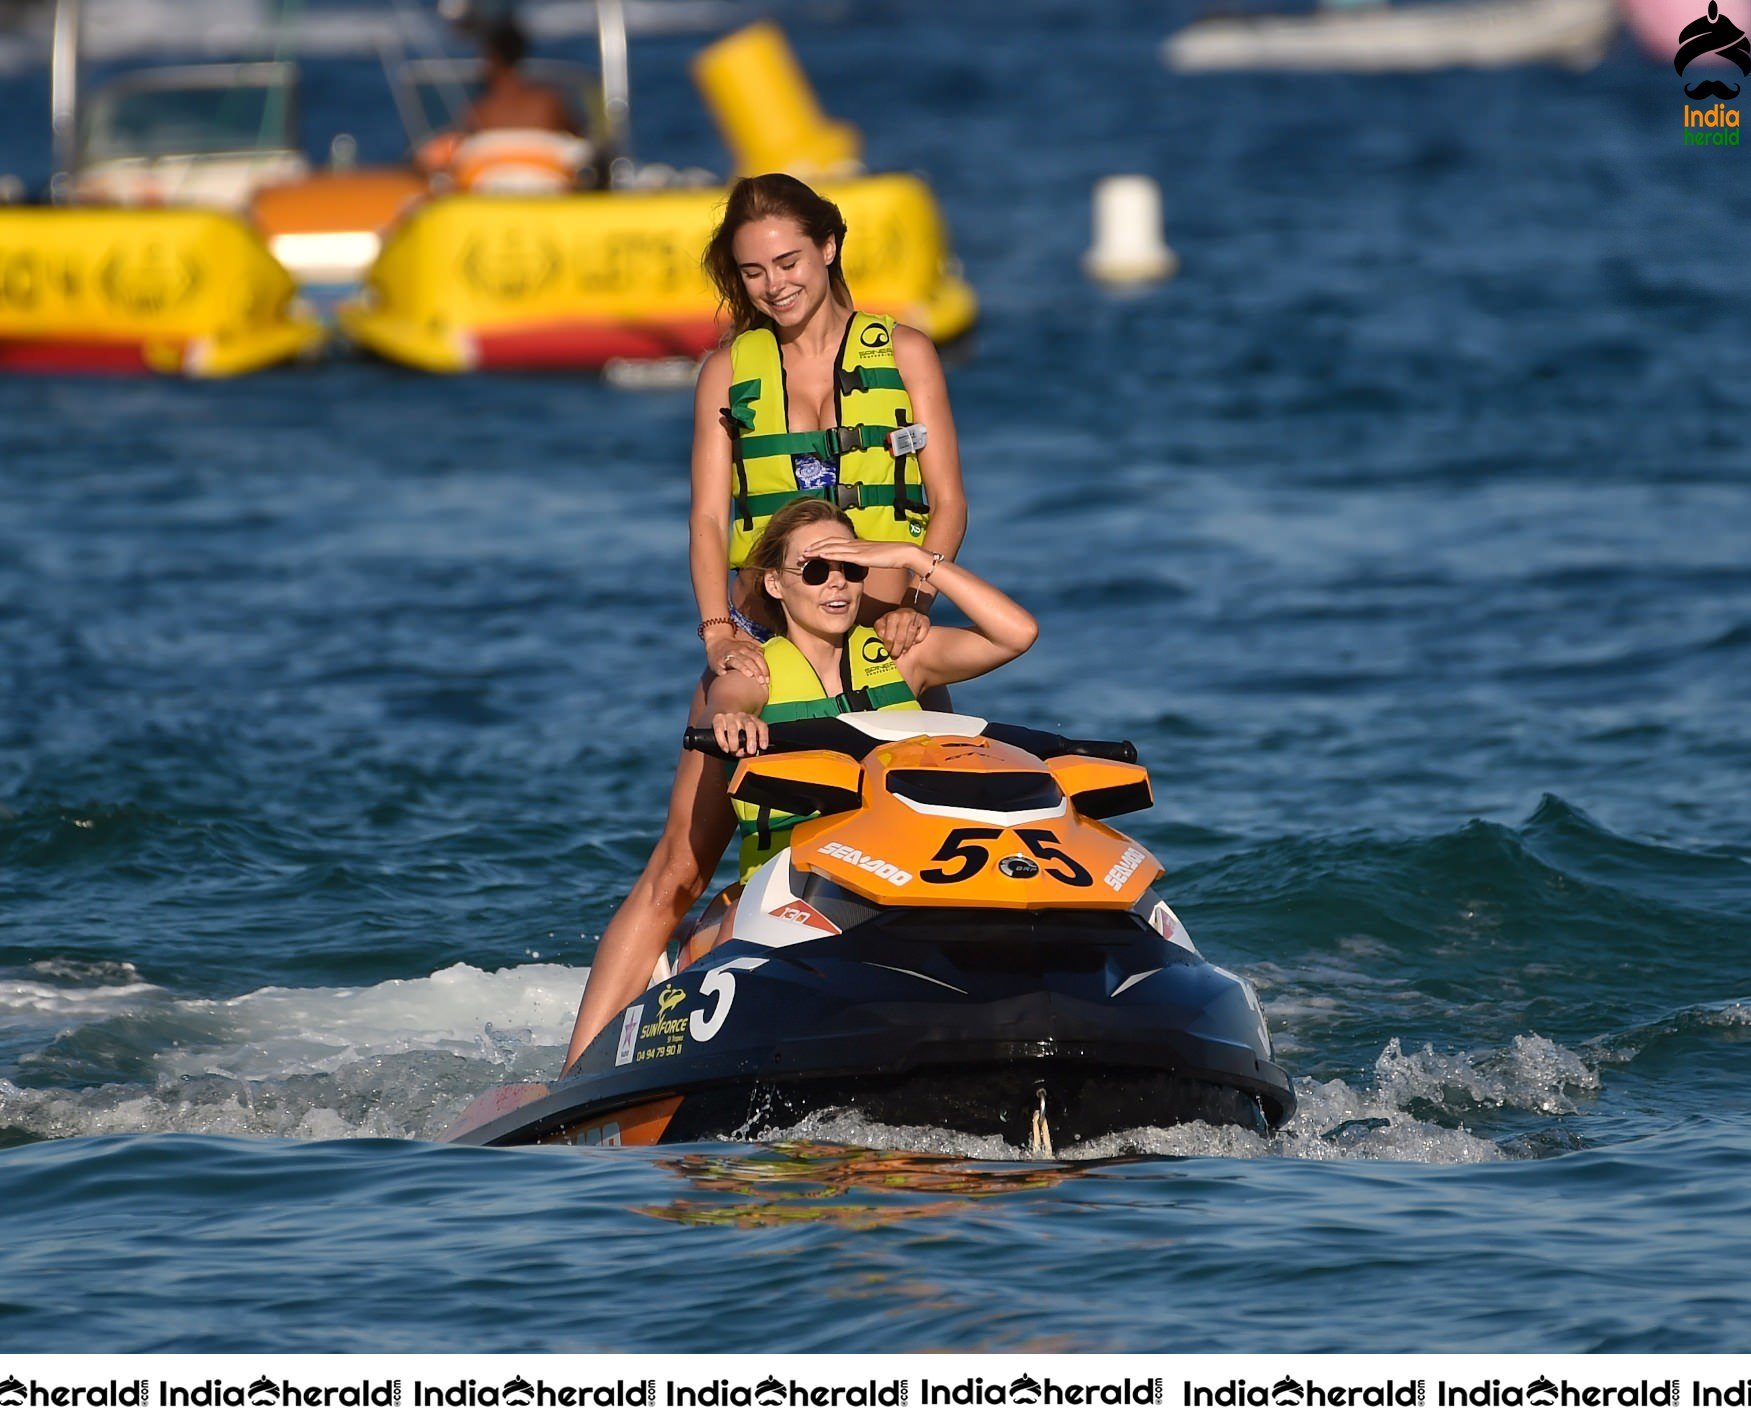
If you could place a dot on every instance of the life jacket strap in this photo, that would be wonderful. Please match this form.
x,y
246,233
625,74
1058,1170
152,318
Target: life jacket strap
x,y
870,379
743,395
847,496
857,701
739,460
829,444
899,470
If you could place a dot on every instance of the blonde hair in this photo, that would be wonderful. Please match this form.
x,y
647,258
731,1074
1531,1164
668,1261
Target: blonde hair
x,y
774,544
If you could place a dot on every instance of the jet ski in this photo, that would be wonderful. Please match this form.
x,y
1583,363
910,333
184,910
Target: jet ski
x,y
955,939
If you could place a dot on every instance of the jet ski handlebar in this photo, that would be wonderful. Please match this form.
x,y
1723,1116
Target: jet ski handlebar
x,y
802,735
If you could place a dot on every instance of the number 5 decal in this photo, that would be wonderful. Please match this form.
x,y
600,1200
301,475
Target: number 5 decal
x,y
1044,846
962,844
719,984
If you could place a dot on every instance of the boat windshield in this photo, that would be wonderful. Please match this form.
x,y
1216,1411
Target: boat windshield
x,y
222,109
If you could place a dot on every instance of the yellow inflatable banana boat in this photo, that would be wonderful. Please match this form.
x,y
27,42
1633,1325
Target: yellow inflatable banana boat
x,y
183,291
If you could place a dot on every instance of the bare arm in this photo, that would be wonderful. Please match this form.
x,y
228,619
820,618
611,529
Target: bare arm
x,y
708,523
940,461
939,467
732,707
1002,629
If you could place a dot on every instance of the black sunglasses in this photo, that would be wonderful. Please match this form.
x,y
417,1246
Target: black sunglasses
x,y
813,571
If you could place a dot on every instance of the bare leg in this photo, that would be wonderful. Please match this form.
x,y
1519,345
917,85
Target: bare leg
x,y
694,838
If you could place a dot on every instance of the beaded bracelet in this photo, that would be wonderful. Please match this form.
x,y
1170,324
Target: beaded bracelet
x,y
714,620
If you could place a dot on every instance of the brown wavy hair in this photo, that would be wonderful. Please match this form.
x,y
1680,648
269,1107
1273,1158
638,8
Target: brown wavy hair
x,y
769,552
771,196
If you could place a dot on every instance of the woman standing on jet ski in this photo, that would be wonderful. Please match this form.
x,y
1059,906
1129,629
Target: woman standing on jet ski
x,y
811,397
813,570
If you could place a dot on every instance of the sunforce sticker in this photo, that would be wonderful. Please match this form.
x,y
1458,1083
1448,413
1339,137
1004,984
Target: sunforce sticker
x,y
667,1035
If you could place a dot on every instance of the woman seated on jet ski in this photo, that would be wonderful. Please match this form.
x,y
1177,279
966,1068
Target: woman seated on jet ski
x,y
813,568
807,399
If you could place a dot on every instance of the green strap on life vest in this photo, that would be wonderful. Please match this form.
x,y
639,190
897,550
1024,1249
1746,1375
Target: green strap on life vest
x,y
847,498
870,379
880,696
831,443
743,395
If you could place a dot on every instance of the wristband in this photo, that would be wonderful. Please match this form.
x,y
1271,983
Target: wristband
x,y
714,620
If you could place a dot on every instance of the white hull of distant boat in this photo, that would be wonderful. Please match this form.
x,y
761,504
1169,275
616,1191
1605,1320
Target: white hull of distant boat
x,y
1387,39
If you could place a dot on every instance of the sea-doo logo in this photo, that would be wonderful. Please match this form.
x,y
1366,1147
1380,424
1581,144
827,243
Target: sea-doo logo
x,y
11,1392
1120,872
887,872
874,335
1016,866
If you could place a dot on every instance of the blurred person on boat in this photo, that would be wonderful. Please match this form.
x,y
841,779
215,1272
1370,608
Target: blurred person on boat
x,y
810,571
810,397
530,125
508,99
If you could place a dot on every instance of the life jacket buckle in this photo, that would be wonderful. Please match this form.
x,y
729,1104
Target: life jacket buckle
x,y
841,439
846,497
851,381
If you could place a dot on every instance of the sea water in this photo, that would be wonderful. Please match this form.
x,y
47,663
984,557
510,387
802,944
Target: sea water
x,y
1406,533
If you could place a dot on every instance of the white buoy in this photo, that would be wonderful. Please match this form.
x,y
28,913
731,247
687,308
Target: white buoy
x,y
1129,249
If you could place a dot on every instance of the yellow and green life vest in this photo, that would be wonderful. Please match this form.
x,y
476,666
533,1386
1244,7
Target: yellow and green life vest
x,y
869,402
870,679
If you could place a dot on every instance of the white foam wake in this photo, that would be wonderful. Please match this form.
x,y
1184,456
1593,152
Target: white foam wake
x,y
402,1058
399,1059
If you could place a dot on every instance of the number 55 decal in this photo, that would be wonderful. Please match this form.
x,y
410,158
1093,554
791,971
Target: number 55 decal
x,y
720,984
965,847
